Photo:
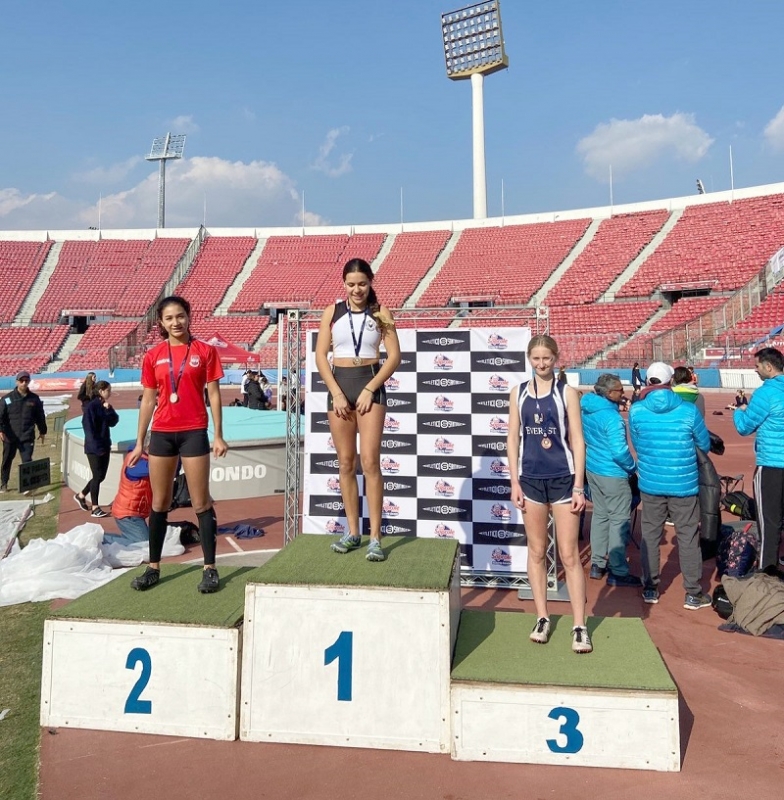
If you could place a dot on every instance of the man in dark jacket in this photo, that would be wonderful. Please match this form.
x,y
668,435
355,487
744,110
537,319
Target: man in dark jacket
x,y
21,412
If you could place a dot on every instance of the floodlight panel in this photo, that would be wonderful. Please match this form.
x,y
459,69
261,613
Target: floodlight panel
x,y
473,40
165,147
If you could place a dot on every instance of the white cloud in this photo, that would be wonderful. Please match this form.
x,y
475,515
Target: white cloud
x,y
322,163
774,131
106,176
628,145
184,124
256,194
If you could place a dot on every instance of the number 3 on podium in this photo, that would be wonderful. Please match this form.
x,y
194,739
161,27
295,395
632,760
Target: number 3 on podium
x,y
342,649
574,739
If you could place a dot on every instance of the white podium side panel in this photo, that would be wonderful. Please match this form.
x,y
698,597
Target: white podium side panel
x,y
348,667
550,725
141,677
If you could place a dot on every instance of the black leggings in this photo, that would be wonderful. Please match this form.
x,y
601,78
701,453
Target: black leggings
x,y
98,466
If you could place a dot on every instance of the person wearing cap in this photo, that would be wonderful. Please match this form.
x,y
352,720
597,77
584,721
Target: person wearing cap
x,y
21,412
665,433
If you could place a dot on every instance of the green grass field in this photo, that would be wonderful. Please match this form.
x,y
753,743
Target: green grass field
x,y
21,634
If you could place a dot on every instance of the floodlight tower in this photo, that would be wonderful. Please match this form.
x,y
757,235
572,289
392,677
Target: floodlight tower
x,y
163,149
473,48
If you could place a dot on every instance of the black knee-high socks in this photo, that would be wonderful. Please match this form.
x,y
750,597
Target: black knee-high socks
x,y
158,522
208,533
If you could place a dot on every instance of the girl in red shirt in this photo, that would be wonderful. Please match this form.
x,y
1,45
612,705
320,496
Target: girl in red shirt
x,y
175,374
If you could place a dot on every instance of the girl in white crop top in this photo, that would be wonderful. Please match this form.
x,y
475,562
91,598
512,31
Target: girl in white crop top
x,y
354,330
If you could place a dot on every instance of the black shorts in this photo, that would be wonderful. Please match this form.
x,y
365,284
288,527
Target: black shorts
x,y
186,444
548,491
352,380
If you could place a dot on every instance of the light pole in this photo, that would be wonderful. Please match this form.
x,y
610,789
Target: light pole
x,y
163,149
473,48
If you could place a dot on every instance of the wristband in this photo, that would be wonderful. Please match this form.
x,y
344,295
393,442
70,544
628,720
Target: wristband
x,y
365,389
578,490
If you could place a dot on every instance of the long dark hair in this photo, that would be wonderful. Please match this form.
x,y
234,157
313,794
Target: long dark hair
x,y
360,265
172,300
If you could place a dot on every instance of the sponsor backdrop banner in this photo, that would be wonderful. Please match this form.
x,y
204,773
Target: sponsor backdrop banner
x,y
443,453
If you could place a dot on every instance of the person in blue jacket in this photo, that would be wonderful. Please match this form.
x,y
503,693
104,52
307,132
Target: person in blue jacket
x,y
665,433
764,416
608,466
97,419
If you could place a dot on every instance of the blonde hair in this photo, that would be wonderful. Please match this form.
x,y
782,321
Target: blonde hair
x,y
543,340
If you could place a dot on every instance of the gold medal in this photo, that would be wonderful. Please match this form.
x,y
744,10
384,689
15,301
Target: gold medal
x,y
546,443
173,398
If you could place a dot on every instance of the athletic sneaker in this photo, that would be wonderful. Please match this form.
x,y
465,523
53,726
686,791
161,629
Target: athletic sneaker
x,y
346,543
631,581
99,512
650,596
374,551
581,641
147,580
597,572
695,601
541,632
81,502
209,581
3,488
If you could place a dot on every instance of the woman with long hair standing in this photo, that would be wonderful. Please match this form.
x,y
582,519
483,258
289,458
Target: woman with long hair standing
x,y
177,371
87,390
545,443
354,330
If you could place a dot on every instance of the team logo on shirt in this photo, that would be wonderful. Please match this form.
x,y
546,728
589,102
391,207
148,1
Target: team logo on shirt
x,y
500,557
194,361
497,342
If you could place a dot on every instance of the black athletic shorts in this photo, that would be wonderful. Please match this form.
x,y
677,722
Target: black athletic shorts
x,y
352,380
179,443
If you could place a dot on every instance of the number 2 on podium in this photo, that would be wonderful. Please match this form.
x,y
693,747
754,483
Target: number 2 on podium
x,y
133,705
342,649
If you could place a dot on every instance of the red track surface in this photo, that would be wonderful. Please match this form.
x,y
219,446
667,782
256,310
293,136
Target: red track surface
x,y
731,704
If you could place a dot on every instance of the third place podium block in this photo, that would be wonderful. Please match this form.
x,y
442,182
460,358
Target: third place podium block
x,y
342,651
516,701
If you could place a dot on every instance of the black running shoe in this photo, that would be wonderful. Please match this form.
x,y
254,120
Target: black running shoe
x,y
209,581
81,502
147,580
99,513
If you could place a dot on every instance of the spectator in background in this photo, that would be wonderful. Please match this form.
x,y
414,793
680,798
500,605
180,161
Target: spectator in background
x,y
254,394
266,390
562,376
764,416
21,412
283,395
608,465
666,433
87,390
683,384
97,419
741,401
244,386
133,502
636,378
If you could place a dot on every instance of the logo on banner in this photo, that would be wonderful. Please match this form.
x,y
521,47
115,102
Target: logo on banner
x,y
445,510
333,484
497,342
399,444
396,486
443,362
500,511
499,467
447,466
332,505
445,424
443,445
444,383
499,425
497,384
497,361
443,531
496,402
389,465
332,463
391,425
488,443
392,383
444,489
395,402
389,530
500,557
497,489
333,526
390,509
443,403
330,444
442,341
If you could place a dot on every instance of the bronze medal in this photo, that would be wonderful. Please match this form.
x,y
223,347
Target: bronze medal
x,y
357,361
546,443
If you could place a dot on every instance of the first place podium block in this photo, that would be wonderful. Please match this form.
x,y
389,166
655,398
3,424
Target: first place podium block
x,y
516,701
341,651
163,661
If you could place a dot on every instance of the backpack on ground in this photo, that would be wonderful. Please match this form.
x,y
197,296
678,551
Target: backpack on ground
x,y
721,603
737,550
181,497
740,504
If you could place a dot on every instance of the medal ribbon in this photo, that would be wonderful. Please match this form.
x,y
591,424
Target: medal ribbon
x,y
175,384
357,342
539,410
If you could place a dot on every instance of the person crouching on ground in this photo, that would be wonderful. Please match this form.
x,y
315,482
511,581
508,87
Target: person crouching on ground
x,y
666,433
132,503
609,465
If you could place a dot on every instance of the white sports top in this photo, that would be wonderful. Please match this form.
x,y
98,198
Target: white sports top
x,y
343,341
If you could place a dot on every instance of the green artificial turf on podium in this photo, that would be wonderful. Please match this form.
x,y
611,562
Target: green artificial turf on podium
x,y
493,647
174,600
417,564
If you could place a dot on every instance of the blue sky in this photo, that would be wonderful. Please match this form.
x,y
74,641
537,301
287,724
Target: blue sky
x,y
349,102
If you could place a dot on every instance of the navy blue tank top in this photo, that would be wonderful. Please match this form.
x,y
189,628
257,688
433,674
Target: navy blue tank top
x,y
540,418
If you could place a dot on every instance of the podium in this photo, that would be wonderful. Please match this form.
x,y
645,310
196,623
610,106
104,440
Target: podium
x,y
517,701
342,651
163,661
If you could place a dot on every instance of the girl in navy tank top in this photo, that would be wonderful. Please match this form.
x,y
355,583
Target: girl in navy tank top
x,y
546,453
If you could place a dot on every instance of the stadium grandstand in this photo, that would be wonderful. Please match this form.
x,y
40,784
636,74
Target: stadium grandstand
x,y
692,279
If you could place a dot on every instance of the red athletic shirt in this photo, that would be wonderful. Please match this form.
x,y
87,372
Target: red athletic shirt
x,y
189,413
